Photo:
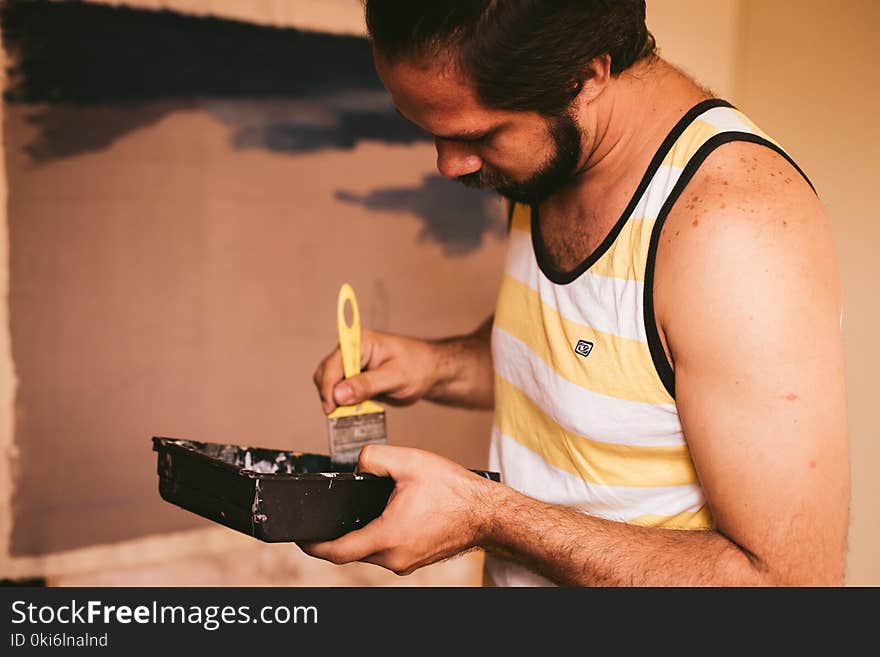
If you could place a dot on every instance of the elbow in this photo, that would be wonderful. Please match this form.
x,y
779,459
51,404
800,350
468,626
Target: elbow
x,y
802,573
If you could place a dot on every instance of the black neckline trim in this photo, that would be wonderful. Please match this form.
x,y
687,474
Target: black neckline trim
x,y
655,345
561,277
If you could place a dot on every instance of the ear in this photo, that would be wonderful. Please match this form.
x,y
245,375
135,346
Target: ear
x,y
595,78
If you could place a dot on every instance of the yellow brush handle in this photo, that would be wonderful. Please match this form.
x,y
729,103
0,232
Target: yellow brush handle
x,y
350,348
349,336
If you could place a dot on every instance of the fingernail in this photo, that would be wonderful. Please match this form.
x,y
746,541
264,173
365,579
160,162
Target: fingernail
x,y
343,393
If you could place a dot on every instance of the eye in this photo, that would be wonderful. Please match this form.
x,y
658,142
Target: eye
x,y
478,141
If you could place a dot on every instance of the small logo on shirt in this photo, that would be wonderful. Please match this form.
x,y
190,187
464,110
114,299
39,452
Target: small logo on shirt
x,y
583,348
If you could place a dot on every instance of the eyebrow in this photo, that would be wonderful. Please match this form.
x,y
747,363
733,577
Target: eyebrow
x,y
473,135
468,136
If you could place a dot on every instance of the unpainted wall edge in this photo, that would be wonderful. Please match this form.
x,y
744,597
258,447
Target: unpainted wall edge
x,y
339,17
127,554
8,379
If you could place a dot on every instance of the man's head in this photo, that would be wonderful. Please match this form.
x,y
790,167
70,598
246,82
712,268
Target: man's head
x,y
497,82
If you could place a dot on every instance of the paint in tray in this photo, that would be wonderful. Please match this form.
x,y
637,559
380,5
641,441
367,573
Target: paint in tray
x,y
272,495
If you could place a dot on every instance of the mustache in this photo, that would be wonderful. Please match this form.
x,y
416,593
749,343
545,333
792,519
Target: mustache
x,y
474,179
482,179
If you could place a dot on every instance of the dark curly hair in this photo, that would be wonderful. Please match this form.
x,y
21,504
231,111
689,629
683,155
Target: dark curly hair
x,y
520,54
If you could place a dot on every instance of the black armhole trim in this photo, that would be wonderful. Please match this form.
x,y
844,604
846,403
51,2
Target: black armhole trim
x,y
661,364
561,277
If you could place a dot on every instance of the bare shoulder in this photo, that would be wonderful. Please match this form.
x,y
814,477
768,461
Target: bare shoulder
x,y
748,220
746,191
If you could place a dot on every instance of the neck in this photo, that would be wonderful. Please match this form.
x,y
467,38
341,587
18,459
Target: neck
x,y
626,123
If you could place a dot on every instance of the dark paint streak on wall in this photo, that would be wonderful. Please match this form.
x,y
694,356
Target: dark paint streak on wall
x,y
71,130
81,53
85,54
347,129
252,78
97,73
449,211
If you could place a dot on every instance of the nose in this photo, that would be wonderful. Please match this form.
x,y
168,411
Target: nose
x,y
456,159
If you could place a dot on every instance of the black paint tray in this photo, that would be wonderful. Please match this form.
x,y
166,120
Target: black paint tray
x,y
272,495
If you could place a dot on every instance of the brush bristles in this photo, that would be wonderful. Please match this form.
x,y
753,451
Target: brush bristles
x,y
349,434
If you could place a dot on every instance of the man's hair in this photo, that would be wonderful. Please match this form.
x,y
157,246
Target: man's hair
x,y
520,54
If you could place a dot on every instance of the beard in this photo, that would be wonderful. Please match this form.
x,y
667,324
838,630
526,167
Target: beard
x,y
556,171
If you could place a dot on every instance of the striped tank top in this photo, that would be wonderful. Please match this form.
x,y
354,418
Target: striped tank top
x,y
585,413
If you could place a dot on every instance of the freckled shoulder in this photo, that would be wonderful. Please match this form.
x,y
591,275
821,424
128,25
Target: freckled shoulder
x,y
745,184
748,216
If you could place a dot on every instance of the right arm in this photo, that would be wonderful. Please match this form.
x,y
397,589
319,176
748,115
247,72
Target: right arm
x,y
456,371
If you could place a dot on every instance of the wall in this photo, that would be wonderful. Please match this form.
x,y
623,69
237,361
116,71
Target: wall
x,y
336,16
699,37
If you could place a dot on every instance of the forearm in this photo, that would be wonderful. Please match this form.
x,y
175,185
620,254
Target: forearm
x,y
571,548
464,370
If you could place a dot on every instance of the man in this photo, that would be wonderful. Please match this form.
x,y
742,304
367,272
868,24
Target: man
x,y
665,359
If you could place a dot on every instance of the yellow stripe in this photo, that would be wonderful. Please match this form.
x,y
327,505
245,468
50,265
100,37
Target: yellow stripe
x,y
694,136
691,520
488,580
626,258
755,129
522,218
605,464
616,367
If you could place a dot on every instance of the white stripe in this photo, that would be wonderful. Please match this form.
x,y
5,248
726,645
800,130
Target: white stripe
x,y
725,120
581,411
508,573
655,195
610,305
527,472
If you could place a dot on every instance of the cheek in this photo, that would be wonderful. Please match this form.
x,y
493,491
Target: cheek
x,y
512,157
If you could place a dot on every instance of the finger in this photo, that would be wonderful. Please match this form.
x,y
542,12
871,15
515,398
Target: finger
x,y
330,374
317,378
365,385
384,559
395,400
382,460
368,348
353,546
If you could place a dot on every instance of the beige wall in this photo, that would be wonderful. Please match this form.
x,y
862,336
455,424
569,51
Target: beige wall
x,y
700,37
337,16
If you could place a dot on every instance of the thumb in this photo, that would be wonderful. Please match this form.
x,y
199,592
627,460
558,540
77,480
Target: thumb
x,y
363,386
379,460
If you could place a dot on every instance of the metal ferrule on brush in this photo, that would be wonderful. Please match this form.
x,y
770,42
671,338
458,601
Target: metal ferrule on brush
x,y
352,427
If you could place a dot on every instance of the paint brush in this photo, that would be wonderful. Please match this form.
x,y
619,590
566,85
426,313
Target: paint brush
x,y
352,427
